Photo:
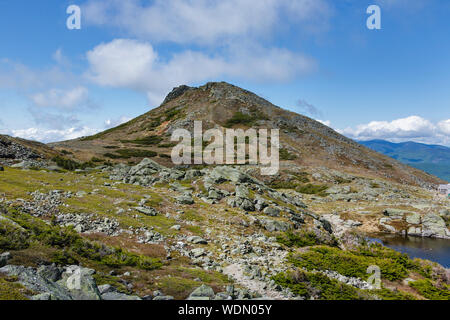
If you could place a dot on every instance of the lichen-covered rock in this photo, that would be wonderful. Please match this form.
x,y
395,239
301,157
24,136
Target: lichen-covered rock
x,y
148,211
272,211
274,225
185,199
29,278
80,283
434,226
203,291
413,218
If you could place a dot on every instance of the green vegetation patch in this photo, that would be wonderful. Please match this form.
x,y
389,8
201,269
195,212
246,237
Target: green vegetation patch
x,y
393,265
299,240
70,247
11,290
429,291
308,284
131,153
71,165
312,189
286,155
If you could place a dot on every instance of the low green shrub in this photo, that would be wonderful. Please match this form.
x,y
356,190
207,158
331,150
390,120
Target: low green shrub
x,y
393,265
426,289
131,153
286,155
312,189
309,284
303,239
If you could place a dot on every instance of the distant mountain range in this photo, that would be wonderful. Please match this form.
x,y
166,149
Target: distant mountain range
x,y
433,159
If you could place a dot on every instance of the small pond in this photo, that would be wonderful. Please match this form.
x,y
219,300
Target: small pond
x,y
437,250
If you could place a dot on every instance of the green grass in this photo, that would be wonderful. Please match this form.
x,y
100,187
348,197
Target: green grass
x,y
11,290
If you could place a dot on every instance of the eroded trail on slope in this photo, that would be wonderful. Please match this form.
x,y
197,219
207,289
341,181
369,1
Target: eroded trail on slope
x,y
237,273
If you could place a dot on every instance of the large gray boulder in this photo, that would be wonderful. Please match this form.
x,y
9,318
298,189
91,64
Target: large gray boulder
x,y
274,225
148,211
146,167
434,226
413,218
226,173
185,198
203,292
110,293
272,211
30,279
80,283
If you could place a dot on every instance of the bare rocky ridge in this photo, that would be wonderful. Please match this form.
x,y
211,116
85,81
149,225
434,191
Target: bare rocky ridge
x,y
311,143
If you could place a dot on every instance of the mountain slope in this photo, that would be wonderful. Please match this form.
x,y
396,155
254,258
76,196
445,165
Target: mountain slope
x,y
304,142
17,149
433,159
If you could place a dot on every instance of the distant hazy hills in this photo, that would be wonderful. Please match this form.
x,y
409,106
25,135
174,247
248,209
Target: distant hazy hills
x,y
433,159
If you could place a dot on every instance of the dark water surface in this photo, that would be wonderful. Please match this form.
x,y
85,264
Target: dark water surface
x,y
437,250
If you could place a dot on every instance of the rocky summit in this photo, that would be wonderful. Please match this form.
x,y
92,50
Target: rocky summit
x,y
110,217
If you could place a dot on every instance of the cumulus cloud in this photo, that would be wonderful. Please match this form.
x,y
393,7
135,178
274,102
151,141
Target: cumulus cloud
x,y
205,21
134,64
413,128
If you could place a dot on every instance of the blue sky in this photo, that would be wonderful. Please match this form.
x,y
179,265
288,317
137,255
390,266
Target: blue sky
x,y
315,57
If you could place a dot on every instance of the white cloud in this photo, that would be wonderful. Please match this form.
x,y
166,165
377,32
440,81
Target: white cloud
x,y
444,126
205,21
51,135
413,128
19,77
62,99
133,64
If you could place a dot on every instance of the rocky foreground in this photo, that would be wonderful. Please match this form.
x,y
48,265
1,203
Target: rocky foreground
x,y
151,232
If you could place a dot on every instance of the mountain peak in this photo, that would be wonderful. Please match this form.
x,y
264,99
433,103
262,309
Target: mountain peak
x,y
304,141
